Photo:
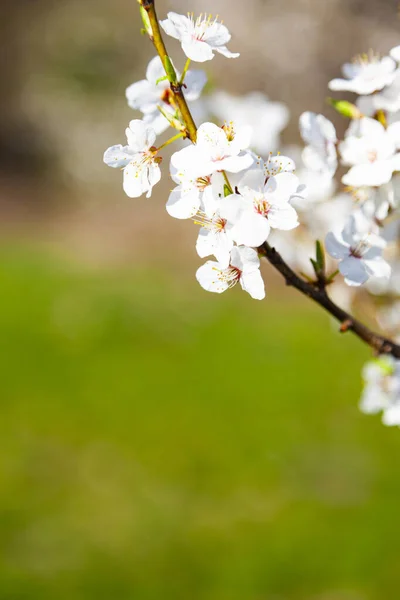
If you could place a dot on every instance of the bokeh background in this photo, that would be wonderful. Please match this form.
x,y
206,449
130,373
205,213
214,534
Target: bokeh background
x,y
157,441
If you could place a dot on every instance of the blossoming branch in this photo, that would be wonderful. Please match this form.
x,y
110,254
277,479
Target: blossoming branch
x,y
248,207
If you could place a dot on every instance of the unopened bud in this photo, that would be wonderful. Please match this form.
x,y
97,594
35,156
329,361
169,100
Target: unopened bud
x,y
345,108
146,21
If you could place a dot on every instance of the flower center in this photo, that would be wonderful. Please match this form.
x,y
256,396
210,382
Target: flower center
x,y
229,131
203,182
200,25
216,224
231,275
360,249
366,59
372,156
262,206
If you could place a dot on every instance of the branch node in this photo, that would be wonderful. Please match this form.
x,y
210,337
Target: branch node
x,y
346,325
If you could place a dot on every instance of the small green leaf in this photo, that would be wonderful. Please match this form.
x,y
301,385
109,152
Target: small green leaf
x,y
169,69
146,21
332,276
227,191
320,256
164,78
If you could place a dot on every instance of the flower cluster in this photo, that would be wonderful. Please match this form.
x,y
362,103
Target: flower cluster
x,y
235,197
364,237
243,203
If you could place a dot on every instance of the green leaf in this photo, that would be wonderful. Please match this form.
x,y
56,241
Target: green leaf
x,y
169,69
164,78
146,21
320,256
227,191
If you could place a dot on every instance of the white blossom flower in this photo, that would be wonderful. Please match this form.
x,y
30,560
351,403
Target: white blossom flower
x,y
216,149
214,237
367,74
359,251
199,38
320,136
370,150
277,164
389,98
332,214
320,186
244,267
395,53
260,206
138,160
377,202
146,95
382,389
267,119
387,287
194,194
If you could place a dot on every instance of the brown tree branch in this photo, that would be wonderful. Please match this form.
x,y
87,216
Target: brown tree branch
x,y
316,291
175,85
319,294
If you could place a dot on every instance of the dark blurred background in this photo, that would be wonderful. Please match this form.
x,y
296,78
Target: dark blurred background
x,y
157,441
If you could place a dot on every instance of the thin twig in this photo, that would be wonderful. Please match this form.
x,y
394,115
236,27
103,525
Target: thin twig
x,y
316,291
175,85
319,294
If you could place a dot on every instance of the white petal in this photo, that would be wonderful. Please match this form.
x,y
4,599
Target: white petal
x,y
279,164
195,81
393,131
316,129
209,277
187,162
204,246
216,34
391,416
369,174
155,71
354,271
281,187
395,53
212,195
378,267
212,140
157,121
253,179
196,50
283,217
252,229
232,207
140,137
334,247
175,25
117,156
235,164
218,244
181,205
244,258
139,179
141,96
253,284
227,53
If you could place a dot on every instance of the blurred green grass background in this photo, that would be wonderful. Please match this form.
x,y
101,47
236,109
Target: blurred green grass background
x,y
160,442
